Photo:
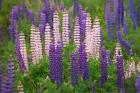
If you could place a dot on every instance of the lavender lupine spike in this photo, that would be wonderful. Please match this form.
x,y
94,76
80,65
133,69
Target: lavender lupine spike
x,y
23,50
109,18
19,55
126,27
97,36
56,23
31,16
36,45
10,77
20,87
88,36
66,29
74,69
104,74
59,67
123,42
133,13
120,71
137,84
77,32
47,39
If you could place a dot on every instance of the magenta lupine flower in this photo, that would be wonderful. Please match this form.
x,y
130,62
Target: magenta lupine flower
x,y
120,71
83,62
18,54
10,77
74,69
104,74
138,84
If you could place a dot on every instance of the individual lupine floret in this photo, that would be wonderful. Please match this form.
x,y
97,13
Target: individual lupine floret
x,y
65,29
137,84
23,50
20,87
131,69
97,36
104,74
120,71
77,32
47,39
36,45
74,69
10,77
56,23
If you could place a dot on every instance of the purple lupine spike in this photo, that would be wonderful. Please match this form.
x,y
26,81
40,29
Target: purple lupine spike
x,y
83,62
76,7
52,59
126,27
10,77
48,11
104,74
133,13
74,69
138,14
14,13
82,22
123,42
18,54
109,20
108,57
94,88
58,61
31,16
120,71
138,84
24,10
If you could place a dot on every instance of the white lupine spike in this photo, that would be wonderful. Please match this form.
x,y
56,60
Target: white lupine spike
x,y
77,32
131,69
20,88
65,28
117,49
88,36
96,34
23,50
56,33
47,39
36,45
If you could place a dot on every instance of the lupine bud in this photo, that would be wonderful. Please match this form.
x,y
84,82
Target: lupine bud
x,y
120,71
74,69
36,45
10,77
104,74
19,55
66,29
20,87
56,23
47,39
83,62
77,32
138,84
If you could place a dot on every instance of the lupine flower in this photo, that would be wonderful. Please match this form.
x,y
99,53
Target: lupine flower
x,y
74,69
47,8
97,38
31,16
138,84
126,27
76,7
20,87
19,55
14,13
83,62
120,71
77,32
24,10
36,45
104,74
56,23
82,22
47,39
10,77
133,13
94,89
66,29
123,42
109,19
108,55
